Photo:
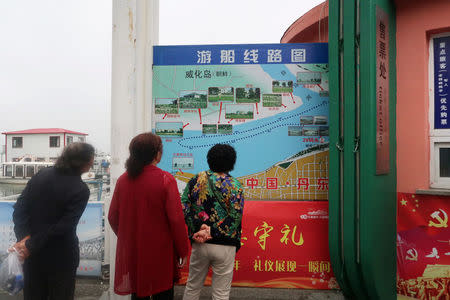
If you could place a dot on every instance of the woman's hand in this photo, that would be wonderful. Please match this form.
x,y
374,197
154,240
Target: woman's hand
x,y
21,248
203,235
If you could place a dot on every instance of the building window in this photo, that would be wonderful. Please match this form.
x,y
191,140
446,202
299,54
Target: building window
x,y
69,140
17,142
439,116
30,171
444,161
81,139
8,170
54,141
19,171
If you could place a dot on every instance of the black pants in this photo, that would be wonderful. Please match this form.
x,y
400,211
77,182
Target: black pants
x,y
166,295
42,284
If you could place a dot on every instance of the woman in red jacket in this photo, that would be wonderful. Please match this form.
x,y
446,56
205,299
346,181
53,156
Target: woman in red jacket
x,y
147,217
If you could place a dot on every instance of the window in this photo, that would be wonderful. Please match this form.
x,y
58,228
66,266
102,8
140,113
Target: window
x,y
8,170
30,171
439,114
440,162
54,141
81,139
69,140
17,142
444,161
19,171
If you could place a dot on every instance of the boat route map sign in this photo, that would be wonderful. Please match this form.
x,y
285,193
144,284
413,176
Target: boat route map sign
x,y
269,101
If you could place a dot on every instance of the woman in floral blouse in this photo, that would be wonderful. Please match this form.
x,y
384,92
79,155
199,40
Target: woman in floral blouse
x,y
213,203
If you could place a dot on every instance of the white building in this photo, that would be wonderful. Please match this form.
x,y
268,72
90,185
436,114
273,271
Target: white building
x,y
39,145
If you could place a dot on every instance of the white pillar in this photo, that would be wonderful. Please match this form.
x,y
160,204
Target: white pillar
x,y
134,32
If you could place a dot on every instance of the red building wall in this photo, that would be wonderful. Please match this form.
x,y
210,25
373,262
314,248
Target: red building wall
x,y
416,22
312,27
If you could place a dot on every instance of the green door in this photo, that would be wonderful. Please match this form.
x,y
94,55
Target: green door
x,y
362,193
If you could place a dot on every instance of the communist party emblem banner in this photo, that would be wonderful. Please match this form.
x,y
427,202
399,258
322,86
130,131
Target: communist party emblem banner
x,y
423,246
284,245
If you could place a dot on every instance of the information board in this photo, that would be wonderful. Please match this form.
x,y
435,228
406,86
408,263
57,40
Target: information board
x,y
269,101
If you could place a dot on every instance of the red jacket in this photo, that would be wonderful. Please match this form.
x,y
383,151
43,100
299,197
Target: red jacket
x,y
147,217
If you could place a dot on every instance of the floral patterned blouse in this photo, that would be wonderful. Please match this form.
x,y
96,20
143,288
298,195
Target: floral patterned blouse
x,y
217,201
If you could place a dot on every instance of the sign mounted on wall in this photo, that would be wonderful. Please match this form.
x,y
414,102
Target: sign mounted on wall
x,y
382,164
441,60
269,101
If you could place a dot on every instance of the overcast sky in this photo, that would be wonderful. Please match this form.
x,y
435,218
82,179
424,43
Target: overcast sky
x,y
55,55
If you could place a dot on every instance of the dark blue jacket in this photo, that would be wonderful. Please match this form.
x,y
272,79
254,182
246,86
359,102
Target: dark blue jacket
x,y
48,210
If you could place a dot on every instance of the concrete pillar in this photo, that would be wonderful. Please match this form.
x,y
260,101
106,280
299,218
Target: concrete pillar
x,y
134,32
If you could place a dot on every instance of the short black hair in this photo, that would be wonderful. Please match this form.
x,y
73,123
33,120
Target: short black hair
x,y
221,158
74,158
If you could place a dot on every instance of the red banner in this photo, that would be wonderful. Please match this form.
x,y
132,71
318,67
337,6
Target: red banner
x,y
423,246
284,245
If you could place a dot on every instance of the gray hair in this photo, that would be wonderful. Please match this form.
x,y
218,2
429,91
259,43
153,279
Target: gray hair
x,y
75,157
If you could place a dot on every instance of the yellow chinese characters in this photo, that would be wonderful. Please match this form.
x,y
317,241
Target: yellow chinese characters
x,y
319,266
243,238
269,265
286,230
265,229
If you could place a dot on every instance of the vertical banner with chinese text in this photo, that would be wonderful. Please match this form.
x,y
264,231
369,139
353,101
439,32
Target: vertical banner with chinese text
x,y
270,102
441,57
382,139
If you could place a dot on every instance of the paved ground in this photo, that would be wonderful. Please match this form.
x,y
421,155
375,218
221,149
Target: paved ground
x,y
95,289
238,293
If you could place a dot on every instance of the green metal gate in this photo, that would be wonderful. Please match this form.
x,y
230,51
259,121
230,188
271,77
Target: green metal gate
x,y
362,194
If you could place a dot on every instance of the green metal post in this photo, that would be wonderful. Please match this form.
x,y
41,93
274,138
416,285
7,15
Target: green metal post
x,y
362,198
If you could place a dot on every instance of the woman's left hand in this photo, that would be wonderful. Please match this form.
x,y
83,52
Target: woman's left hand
x,y
21,248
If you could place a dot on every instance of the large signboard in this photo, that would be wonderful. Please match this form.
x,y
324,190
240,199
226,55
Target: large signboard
x,y
269,101
89,233
286,248
441,55
423,246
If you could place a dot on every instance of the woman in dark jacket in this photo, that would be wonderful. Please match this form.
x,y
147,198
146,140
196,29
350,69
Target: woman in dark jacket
x,y
45,220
